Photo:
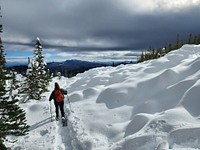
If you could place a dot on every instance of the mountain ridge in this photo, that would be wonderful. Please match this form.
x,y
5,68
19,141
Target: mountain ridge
x,y
67,68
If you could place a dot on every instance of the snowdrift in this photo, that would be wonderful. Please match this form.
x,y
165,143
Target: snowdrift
x,y
153,105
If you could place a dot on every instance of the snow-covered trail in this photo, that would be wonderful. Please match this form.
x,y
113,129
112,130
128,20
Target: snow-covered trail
x,y
44,134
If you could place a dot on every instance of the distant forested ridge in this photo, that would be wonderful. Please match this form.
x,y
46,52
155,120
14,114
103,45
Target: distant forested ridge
x,y
68,68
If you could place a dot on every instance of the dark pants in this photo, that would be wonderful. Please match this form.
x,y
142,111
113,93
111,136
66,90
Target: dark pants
x,y
61,105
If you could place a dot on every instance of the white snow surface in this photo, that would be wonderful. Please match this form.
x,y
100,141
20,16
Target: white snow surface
x,y
154,105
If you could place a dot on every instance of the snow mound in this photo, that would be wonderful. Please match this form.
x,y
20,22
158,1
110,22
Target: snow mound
x,y
137,123
191,99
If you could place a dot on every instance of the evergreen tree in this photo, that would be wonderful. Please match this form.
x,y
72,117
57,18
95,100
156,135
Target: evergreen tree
x,y
141,58
190,39
198,39
37,78
113,64
31,84
59,75
12,117
166,48
170,47
3,98
178,42
40,66
181,43
195,41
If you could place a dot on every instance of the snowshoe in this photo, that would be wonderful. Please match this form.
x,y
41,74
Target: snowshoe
x,y
64,121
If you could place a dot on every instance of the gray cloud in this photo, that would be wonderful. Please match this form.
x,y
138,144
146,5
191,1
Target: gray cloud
x,y
98,24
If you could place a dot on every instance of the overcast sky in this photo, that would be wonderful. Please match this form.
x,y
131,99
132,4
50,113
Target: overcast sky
x,y
74,27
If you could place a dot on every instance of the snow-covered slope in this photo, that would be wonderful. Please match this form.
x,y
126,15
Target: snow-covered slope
x,y
153,105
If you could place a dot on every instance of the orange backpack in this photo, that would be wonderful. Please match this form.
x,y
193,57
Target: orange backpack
x,y
59,96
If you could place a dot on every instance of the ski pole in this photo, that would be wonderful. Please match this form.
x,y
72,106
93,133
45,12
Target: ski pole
x,y
69,103
50,111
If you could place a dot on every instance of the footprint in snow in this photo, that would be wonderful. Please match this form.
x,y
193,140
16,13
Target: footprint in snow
x,y
43,132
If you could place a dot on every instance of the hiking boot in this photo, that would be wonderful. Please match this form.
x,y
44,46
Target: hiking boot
x,y
57,118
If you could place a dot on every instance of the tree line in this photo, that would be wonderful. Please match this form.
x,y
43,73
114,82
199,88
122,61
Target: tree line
x,y
152,53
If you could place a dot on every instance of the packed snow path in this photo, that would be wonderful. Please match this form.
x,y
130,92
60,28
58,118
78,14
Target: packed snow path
x,y
44,133
153,105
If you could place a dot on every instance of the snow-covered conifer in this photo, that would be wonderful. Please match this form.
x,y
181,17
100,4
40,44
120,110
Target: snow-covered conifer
x,y
40,66
37,78
15,118
12,117
3,97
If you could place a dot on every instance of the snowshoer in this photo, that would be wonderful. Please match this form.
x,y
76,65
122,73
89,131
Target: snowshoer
x,y
58,96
